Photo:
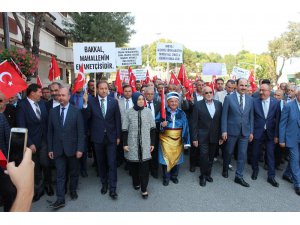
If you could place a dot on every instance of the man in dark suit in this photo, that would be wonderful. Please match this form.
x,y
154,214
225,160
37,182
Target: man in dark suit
x,y
65,145
32,114
105,134
289,137
196,96
266,118
54,90
154,106
206,132
237,127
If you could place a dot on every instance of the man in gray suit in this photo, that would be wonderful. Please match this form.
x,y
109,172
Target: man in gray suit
x,y
125,103
65,145
237,127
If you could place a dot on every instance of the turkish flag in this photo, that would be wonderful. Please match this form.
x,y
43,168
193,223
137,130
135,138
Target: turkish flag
x,y
181,75
118,83
163,105
173,79
10,81
251,79
147,80
54,71
132,82
38,81
80,80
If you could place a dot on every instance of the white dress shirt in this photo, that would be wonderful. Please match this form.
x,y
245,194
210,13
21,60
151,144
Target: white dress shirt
x,y
105,103
152,108
211,108
55,103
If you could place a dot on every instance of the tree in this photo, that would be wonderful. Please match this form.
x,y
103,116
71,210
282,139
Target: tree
x,y
38,18
101,27
286,46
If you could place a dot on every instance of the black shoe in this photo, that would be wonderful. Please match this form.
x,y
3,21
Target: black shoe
x,y
145,195
165,182
192,169
241,182
136,187
297,190
202,181
49,190
113,195
58,204
104,189
174,180
209,179
225,174
287,178
154,174
84,173
37,196
254,175
273,182
73,195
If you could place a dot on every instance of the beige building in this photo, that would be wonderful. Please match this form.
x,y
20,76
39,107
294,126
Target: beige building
x,y
53,41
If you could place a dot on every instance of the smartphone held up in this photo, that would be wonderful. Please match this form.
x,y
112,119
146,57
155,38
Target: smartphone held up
x,y
17,145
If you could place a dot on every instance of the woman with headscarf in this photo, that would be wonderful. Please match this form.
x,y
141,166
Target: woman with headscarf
x,y
174,135
138,140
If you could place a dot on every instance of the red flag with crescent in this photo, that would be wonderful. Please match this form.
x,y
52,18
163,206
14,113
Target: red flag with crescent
x,y
54,70
173,79
118,83
10,81
38,81
80,80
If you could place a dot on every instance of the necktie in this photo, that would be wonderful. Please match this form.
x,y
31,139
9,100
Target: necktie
x,y
149,105
62,115
102,107
228,93
265,109
127,104
38,111
241,103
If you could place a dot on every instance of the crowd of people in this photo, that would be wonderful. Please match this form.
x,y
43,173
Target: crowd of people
x,y
132,129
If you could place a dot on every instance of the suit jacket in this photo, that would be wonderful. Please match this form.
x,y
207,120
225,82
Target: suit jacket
x,y
234,121
271,121
68,138
26,118
111,123
289,126
49,105
220,96
122,108
204,128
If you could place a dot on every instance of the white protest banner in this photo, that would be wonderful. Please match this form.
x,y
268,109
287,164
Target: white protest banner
x,y
140,74
96,56
240,73
129,56
169,52
124,73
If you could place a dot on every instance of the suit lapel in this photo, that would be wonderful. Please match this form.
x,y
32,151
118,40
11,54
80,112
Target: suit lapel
x,y
98,107
68,115
108,105
260,108
31,111
234,96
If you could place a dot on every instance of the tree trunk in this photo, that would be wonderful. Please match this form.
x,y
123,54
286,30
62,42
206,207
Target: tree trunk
x,y
26,36
280,71
39,18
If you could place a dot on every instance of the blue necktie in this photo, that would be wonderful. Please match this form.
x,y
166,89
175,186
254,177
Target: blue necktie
x,y
62,114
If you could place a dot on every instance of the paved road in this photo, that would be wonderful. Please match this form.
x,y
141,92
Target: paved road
x,y
219,196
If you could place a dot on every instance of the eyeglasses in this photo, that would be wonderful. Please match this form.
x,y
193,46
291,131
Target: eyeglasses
x,y
210,92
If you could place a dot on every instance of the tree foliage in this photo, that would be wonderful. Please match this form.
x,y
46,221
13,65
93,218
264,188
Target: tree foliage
x,y
286,46
101,27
